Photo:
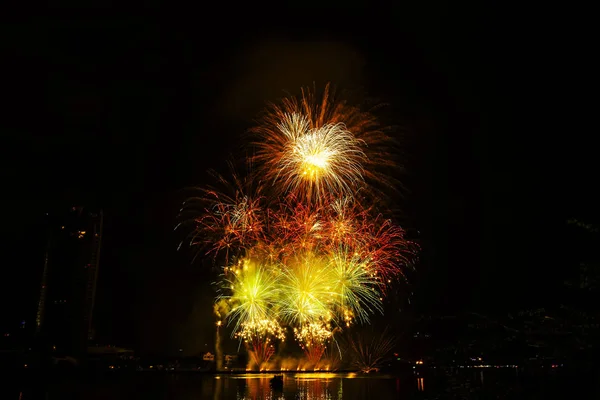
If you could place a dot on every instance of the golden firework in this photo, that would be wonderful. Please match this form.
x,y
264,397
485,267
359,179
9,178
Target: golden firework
x,y
313,251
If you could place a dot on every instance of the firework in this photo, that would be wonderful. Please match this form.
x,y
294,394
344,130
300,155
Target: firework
x,y
314,144
369,355
261,328
313,161
355,285
260,336
226,218
307,293
305,244
253,289
312,337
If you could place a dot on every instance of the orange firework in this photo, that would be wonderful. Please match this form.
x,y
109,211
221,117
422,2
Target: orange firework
x,y
316,145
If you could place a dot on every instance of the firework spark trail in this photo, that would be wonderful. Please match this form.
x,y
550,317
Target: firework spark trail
x,y
312,162
312,250
356,288
306,292
370,355
370,147
226,218
312,337
260,335
253,289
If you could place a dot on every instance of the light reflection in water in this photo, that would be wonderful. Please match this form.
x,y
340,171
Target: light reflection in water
x,y
314,388
301,386
309,386
218,386
305,386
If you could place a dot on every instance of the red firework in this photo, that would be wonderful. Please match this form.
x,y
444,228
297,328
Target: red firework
x,y
260,350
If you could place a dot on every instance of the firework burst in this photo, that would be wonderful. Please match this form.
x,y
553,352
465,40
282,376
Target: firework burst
x,y
370,355
253,288
307,294
313,161
304,245
225,218
355,285
318,144
312,337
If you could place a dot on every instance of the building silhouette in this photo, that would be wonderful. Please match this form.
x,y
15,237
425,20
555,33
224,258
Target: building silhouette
x,y
64,317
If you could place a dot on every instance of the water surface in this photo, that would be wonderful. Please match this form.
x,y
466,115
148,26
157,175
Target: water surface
x,y
309,386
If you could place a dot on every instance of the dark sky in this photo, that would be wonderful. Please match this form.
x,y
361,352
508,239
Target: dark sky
x,y
126,113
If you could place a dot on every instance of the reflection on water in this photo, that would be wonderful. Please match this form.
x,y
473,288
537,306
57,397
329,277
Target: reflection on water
x,y
154,386
305,386
421,384
309,386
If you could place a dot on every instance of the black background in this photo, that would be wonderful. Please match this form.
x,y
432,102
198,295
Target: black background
x,y
125,113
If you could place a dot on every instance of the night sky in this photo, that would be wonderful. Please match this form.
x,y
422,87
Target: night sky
x,y
127,113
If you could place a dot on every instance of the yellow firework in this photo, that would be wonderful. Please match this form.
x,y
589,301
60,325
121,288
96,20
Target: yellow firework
x,y
313,333
253,289
312,337
315,161
263,328
306,293
355,285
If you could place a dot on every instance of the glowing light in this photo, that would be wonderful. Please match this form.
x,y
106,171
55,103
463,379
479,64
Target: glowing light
x,y
314,161
306,292
253,292
355,288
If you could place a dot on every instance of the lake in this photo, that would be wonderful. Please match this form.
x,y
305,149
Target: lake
x,y
481,384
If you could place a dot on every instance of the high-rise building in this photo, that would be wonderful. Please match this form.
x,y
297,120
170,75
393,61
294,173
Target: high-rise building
x,y
68,282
